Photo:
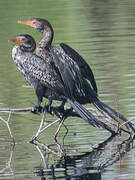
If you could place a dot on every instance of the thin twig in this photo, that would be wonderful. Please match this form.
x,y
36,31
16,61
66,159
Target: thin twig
x,y
36,142
7,124
58,129
65,133
49,125
55,137
40,127
19,110
124,123
42,156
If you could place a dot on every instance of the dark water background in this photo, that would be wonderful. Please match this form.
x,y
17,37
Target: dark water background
x,y
103,32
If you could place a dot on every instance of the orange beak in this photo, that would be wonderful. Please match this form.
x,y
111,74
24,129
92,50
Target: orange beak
x,y
27,23
17,41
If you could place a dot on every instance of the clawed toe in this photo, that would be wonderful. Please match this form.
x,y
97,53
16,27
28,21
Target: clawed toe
x,y
37,110
48,109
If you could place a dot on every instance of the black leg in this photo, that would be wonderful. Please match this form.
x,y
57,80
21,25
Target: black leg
x,y
48,106
37,108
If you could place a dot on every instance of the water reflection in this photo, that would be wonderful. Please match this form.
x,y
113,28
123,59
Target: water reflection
x,y
89,165
7,170
79,165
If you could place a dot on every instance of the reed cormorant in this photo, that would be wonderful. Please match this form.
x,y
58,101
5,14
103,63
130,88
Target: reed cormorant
x,y
38,71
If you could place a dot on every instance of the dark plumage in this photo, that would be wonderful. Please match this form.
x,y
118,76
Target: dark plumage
x,y
61,60
84,67
43,50
38,71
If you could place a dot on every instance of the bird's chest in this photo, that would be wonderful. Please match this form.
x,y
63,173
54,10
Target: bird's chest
x,y
44,54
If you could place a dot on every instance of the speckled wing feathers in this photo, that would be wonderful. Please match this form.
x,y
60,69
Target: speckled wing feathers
x,y
36,68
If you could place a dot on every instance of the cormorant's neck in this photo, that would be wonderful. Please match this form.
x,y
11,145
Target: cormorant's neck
x,y
47,38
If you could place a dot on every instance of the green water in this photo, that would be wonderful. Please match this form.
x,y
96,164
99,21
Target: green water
x,y
103,33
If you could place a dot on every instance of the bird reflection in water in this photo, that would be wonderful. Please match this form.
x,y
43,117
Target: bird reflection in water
x,y
88,165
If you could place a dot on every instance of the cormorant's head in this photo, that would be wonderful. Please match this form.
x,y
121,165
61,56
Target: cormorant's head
x,y
42,25
25,41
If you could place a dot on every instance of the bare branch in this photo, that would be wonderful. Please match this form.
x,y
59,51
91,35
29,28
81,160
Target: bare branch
x,y
19,110
7,124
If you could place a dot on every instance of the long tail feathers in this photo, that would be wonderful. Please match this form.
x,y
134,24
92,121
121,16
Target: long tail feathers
x,y
88,116
112,113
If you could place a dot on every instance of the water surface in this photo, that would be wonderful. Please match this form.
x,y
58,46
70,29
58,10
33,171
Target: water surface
x,y
103,33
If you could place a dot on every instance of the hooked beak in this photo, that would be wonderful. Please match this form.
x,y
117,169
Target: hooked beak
x,y
17,41
27,23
